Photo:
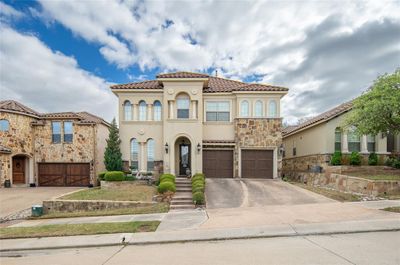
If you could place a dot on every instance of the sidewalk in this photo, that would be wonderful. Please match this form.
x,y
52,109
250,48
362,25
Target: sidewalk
x,y
287,230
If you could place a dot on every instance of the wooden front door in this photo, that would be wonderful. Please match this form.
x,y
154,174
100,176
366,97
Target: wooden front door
x,y
18,170
184,158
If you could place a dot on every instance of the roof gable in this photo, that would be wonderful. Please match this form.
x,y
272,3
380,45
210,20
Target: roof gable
x,y
14,106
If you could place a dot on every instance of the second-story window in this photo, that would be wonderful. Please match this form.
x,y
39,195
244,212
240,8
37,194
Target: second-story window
x,y
4,125
182,105
272,109
217,111
56,132
157,110
127,110
68,132
258,109
244,108
142,111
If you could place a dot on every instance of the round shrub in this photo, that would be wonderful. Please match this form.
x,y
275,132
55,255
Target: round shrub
x,y
198,178
198,189
198,198
166,186
336,159
101,175
114,176
198,182
164,177
355,159
372,159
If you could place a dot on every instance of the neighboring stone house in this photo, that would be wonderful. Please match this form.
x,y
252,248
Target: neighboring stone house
x,y
53,149
186,122
312,142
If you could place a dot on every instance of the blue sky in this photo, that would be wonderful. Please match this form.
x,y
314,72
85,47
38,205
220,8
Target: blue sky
x,y
63,55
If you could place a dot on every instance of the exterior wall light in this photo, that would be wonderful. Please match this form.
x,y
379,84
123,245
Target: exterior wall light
x,y
198,147
281,149
166,148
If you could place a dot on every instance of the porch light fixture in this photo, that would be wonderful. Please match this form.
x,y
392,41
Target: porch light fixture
x,y
198,147
281,149
166,148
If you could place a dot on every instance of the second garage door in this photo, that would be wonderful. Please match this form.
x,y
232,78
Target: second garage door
x,y
218,163
257,164
64,174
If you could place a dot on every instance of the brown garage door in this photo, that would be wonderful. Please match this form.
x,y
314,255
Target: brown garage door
x,y
218,163
64,174
257,164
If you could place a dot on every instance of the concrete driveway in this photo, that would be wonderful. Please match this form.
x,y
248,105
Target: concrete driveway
x,y
232,193
17,199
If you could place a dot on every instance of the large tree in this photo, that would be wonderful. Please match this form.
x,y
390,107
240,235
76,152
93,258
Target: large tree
x,y
112,155
378,109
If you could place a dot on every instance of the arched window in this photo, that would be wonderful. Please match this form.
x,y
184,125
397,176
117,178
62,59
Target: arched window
x,y
142,110
157,110
244,108
353,140
134,154
272,109
127,110
258,109
338,140
371,143
182,105
4,125
150,155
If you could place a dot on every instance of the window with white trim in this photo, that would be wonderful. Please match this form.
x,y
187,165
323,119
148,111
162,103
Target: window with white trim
x,y
56,132
134,154
183,106
157,110
272,109
217,111
142,110
127,110
68,131
353,140
150,155
244,109
258,109
4,125
371,143
338,140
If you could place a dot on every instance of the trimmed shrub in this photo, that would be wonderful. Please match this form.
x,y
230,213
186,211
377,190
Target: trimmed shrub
x,y
396,163
197,189
102,175
130,178
198,198
336,159
198,182
166,186
114,176
355,159
373,159
165,177
198,177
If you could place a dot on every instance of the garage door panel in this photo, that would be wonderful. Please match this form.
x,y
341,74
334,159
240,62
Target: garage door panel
x,y
218,163
257,163
64,174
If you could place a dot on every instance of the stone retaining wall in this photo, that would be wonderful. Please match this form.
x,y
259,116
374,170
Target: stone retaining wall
x,y
121,184
80,205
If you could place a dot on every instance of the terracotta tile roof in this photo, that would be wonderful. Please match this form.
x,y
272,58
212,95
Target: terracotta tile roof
x,y
182,75
326,116
5,150
90,118
14,106
214,84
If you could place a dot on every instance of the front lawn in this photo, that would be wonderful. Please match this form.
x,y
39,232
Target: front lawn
x,y
395,209
130,193
78,229
333,194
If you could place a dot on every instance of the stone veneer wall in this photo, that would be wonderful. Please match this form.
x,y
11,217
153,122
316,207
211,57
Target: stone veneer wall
x,y
304,163
19,138
256,132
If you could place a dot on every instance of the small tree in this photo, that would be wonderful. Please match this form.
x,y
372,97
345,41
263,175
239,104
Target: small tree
x,y
112,155
378,110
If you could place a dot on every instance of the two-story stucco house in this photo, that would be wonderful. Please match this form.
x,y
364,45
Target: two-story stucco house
x,y
52,149
187,122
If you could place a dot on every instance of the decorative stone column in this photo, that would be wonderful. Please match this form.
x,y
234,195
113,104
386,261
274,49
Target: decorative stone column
x,y
364,145
171,109
149,112
135,111
345,144
142,157
194,109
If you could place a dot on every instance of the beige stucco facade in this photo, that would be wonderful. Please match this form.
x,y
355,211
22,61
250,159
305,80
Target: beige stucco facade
x,y
196,129
30,137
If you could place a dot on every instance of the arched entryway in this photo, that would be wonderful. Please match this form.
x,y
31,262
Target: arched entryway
x,y
183,157
20,169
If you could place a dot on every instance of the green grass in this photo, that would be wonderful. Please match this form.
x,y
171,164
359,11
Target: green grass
x,y
77,229
131,193
333,194
395,209
157,208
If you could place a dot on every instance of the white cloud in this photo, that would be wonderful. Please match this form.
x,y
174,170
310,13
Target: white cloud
x,y
7,13
47,80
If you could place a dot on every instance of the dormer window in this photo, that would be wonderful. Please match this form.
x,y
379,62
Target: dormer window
x,y
183,105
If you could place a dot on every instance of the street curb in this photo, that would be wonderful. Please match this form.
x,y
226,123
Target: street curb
x,y
294,234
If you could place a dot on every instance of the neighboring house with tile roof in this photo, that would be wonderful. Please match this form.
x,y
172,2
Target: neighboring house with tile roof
x,y
50,149
312,142
186,122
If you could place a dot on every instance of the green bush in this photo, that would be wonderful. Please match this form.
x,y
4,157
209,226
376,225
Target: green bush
x,y
396,163
166,186
101,175
165,177
198,182
336,159
355,159
198,189
198,198
389,162
373,159
114,176
130,178
199,178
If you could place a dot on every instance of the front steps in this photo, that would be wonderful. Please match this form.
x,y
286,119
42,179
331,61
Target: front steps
x,y
182,199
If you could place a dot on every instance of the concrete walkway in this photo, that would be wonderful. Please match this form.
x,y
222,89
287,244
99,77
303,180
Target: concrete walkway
x,y
199,235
